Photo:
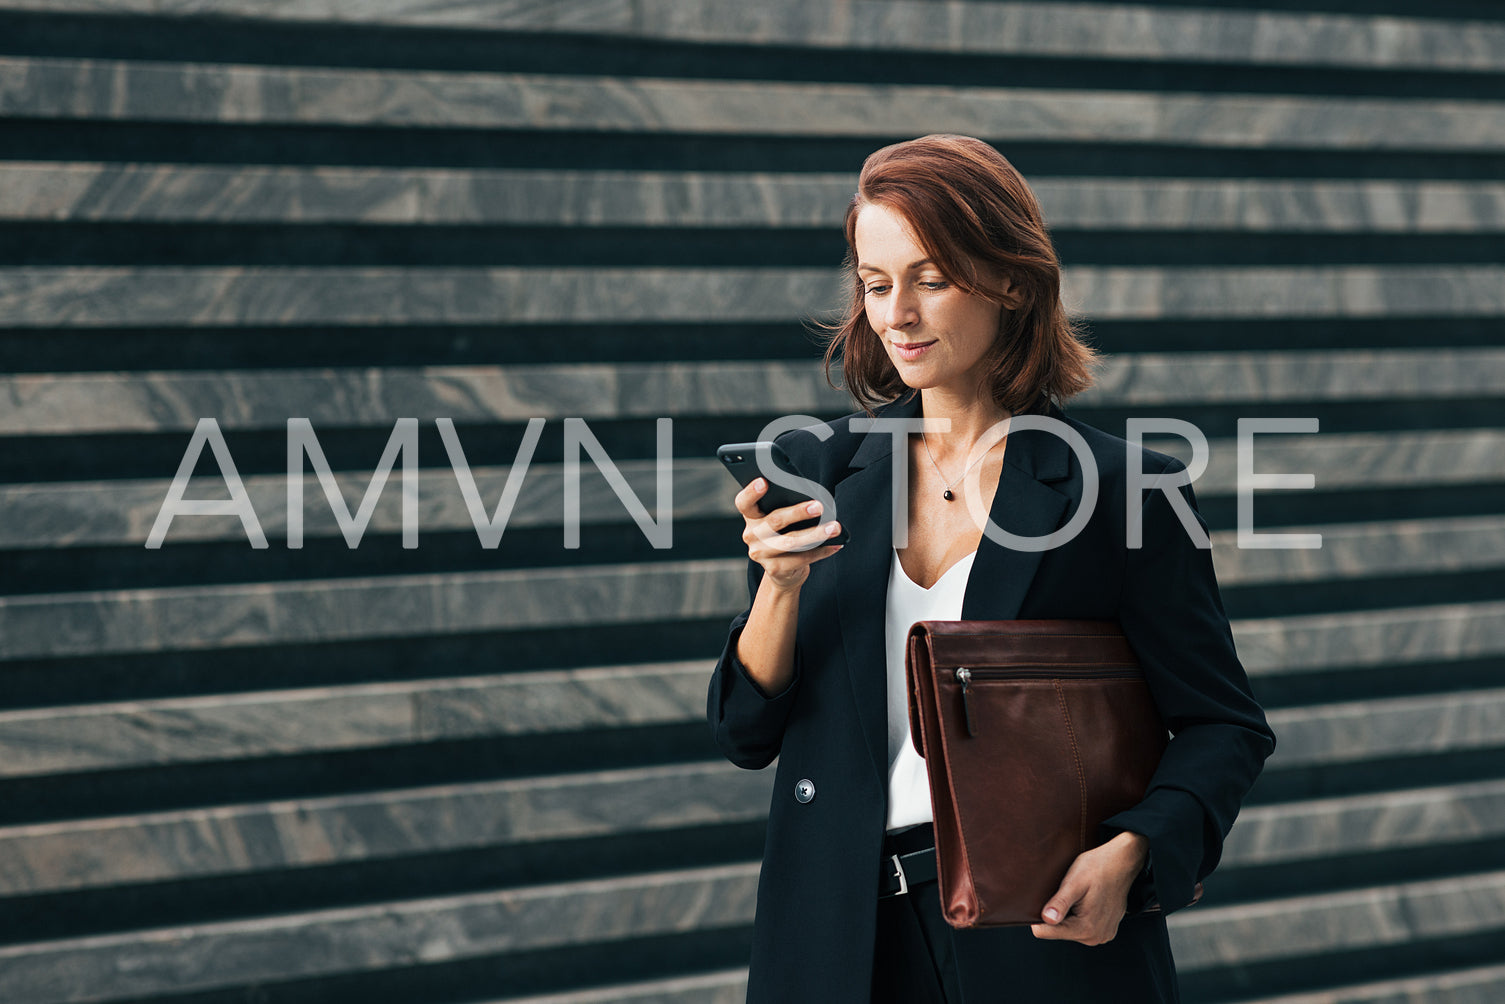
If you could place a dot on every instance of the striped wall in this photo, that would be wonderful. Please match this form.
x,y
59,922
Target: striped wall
x,y
455,774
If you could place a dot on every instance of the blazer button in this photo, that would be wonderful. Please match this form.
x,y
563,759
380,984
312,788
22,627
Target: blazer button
x,y
804,790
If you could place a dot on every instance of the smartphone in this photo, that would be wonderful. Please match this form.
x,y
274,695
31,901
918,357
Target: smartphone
x,y
741,460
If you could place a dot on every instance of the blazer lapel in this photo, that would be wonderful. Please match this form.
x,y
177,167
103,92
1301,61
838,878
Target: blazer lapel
x,y
1025,504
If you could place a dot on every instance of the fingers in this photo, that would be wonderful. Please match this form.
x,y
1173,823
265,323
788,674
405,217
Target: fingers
x,y
1059,905
1057,913
747,499
767,529
1080,910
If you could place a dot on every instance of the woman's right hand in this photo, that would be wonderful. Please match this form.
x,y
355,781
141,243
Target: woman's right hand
x,y
786,558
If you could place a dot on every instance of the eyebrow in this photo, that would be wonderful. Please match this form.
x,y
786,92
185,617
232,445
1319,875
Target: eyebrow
x,y
863,267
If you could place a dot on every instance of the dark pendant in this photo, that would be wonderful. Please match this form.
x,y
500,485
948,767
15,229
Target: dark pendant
x,y
948,496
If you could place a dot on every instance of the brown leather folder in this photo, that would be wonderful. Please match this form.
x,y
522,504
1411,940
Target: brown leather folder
x,y
1033,733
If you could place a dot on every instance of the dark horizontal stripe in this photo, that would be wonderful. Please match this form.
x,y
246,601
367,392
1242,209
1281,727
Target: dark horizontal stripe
x,y
352,245
515,974
50,350
1384,414
1345,595
1308,686
408,47
1333,969
1371,776
1170,334
1354,870
317,245
1480,10
1358,504
184,786
446,551
212,143
157,455
86,679
79,350
279,891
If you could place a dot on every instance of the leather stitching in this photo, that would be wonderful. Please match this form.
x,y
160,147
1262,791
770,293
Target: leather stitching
x,y
1076,757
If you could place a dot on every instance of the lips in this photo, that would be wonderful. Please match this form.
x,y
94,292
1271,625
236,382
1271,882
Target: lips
x,y
912,350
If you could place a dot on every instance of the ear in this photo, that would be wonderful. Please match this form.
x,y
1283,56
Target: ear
x,y
1013,294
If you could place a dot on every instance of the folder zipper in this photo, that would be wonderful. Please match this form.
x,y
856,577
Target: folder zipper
x,y
964,675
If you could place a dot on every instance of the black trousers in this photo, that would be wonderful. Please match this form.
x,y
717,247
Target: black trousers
x,y
914,959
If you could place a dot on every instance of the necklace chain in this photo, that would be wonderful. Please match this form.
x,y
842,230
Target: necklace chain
x,y
948,494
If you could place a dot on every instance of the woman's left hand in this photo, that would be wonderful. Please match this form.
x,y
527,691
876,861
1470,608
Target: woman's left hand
x,y
1095,892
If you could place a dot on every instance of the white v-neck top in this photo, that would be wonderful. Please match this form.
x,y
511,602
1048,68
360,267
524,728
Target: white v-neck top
x,y
908,786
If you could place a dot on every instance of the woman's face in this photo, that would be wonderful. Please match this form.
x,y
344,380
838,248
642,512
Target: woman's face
x,y
934,333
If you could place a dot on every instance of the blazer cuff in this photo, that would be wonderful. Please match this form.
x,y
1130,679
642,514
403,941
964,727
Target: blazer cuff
x,y
1175,824
748,725
746,681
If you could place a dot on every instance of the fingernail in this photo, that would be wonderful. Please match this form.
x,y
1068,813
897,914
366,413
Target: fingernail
x,y
1052,915
831,529
759,485
813,507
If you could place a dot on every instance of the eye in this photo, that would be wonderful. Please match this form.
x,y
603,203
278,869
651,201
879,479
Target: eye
x,y
935,284
877,290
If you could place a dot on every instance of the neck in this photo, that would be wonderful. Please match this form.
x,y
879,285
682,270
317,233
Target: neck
x,y
971,417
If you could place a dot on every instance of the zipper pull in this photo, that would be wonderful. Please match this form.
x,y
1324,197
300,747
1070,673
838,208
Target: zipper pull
x,y
965,676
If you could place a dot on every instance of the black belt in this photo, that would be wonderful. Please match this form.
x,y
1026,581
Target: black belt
x,y
908,860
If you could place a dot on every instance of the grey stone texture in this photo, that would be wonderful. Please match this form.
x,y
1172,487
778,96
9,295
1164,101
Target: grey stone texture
x,y
44,741
1485,985
1063,29
79,742
304,833
202,193
1307,925
385,935
196,92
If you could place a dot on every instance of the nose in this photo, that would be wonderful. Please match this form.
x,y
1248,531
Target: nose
x,y
903,310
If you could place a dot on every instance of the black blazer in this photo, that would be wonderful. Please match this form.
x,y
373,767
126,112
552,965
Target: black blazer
x,y
817,893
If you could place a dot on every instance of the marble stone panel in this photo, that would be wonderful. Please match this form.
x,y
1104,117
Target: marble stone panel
x,y
119,296
1362,639
1273,291
1254,204
266,194
32,404
204,92
1355,824
1485,985
374,937
237,839
254,614
156,401
1353,731
40,741
1114,31
1155,378
1349,460
73,514
89,297
1270,930
257,194
1356,550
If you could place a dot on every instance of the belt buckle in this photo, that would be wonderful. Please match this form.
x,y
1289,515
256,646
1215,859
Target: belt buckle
x,y
899,874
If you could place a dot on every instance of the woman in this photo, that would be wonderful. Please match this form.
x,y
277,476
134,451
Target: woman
x,y
956,315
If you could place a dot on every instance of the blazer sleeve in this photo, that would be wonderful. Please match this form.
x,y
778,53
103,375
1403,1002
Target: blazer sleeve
x,y
1172,614
748,725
